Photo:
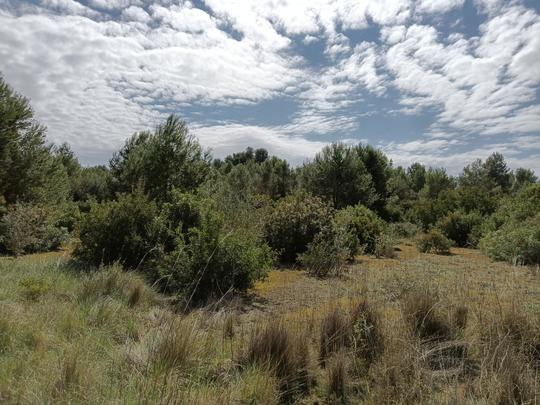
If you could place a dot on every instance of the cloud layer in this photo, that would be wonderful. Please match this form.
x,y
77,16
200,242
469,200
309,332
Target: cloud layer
x,y
96,71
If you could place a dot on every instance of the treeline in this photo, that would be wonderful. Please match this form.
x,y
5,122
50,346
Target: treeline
x,y
200,227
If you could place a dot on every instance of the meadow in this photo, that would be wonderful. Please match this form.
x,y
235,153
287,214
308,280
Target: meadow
x,y
417,328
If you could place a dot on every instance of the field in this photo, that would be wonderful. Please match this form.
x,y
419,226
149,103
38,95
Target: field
x,y
420,328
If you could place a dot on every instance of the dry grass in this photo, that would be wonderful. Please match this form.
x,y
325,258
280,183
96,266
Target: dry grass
x,y
417,328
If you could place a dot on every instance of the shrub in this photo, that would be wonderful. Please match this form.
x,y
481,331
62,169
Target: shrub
x,y
128,231
463,229
384,246
433,242
326,255
33,288
28,228
514,242
363,223
210,262
294,222
403,229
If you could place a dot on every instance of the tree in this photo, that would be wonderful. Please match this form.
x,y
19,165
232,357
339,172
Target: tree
x,y
417,176
29,171
523,177
436,181
378,166
161,160
492,175
339,175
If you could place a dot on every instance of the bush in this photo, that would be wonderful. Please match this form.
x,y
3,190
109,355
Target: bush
x,y
403,229
514,242
327,254
210,262
363,223
27,228
463,229
433,242
294,222
384,246
129,231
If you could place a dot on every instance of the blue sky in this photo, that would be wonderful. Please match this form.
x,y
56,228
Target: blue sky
x,y
441,82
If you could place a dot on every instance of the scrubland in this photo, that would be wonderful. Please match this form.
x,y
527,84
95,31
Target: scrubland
x,y
419,328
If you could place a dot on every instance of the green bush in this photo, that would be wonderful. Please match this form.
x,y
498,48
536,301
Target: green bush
x,y
433,242
129,231
363,223
326,254
403,229
27,228
293,224
214,262
514,242
384,246
463,229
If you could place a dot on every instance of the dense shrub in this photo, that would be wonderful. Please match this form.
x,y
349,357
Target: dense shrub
x,y
384,246
433,242
463,229
129,231
27,228
326,254
211,262
363,223
514,242
403,229
294,222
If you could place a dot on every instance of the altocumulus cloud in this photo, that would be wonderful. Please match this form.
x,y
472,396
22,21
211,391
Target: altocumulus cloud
x,y
437,81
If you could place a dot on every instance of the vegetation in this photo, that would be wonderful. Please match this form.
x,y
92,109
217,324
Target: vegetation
x,y
145,280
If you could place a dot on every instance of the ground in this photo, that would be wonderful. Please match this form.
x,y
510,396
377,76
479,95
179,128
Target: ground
x,y
71,337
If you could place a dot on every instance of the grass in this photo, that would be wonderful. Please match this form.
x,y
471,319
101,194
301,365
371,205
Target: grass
x,y
416,328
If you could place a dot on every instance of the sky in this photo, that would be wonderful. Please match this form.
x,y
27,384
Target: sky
x,y
441,82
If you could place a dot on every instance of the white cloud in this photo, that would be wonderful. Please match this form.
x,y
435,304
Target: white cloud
x,y
438,6
228,138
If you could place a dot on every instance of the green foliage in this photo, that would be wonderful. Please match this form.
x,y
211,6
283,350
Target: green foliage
x,y
463,229
33,288
493,174
384,246
522,178
327,253
29,171
339,175
378,167
210,262
436,181
294,222
403,229
433,242
514,242
363,224
129,231
92,183
27,228
417,176
170,157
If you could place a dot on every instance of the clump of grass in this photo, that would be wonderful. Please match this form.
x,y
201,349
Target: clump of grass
x,y
276,349
420,309
228,326
337,379
5,335
113,282
174,347
367,336
33,288
335,334
69,373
